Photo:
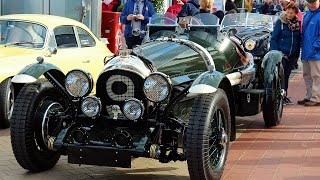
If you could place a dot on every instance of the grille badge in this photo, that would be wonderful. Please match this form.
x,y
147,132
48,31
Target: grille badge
x,y
115,111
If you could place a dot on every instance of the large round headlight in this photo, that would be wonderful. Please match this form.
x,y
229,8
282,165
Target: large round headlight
x,y
78,83
157,87
91,106
250,44
133,109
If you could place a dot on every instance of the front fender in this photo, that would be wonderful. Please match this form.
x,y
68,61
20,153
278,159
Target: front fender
x,y
207,82
32,72
270,66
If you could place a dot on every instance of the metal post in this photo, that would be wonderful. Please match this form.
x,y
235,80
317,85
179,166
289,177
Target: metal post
x,y
243,8
46,6
96,17
0,7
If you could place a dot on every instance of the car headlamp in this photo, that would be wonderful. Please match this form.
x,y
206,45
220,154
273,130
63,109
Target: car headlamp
x,y
78,83
133,109
91,106
157,87
250,44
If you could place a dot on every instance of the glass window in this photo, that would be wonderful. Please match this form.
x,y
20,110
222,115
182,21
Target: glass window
x,y
65,37
22,34
86,40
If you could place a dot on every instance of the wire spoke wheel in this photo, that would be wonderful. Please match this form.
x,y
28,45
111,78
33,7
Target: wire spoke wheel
x,y
207,137
273,102
218,140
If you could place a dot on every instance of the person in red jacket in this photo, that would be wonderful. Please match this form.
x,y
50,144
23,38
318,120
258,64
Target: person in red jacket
x,y
110,5
107,5
176,8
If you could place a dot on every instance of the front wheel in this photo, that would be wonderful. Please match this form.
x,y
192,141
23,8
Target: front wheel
x,y
33,123
273,101
207,137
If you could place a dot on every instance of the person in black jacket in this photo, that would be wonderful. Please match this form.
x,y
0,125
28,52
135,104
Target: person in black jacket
x,y
265,9
190,8
230,5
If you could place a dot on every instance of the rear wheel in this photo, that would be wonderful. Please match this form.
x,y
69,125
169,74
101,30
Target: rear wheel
x,y
207,137
7,101
273,102
33,124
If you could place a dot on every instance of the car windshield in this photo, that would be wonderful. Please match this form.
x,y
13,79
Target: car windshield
x,y
247,20
22,34
205,19
166,19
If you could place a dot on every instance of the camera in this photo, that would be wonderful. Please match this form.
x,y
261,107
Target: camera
x,y
136,32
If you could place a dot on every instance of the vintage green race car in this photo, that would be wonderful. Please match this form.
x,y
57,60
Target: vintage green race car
x,y
176,97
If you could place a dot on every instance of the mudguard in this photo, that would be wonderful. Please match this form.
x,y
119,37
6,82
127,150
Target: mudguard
x,y
32,72
269,65
207,82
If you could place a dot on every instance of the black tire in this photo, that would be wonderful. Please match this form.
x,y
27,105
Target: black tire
x,y
27,141
273,103
7,102
203,132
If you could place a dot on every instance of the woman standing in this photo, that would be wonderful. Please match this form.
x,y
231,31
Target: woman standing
x,y
286,38
206,6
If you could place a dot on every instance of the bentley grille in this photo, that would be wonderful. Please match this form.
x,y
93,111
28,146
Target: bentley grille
x,y
116,86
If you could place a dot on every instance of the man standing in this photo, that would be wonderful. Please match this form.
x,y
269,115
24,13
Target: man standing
x,y
191,8
135,15
311,54
230,5
265,9
275,8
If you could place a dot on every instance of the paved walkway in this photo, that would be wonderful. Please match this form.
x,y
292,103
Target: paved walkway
x,y
289,151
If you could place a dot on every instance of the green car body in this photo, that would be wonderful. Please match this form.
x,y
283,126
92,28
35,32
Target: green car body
x,y
183,90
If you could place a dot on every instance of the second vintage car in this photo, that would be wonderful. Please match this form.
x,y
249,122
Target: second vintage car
x,y
66,43
176,97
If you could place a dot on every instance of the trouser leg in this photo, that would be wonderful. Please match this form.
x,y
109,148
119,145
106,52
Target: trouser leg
x,y
287,67
132,41
315,75
307,78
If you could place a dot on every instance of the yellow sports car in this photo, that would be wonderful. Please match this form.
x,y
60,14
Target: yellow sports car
x,y
63,42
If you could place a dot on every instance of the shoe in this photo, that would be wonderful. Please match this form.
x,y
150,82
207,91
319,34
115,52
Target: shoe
x,y
303,102
312,103
287,101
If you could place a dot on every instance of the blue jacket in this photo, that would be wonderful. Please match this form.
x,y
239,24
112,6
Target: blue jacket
x,y
147,11
285,40
311,36
190,8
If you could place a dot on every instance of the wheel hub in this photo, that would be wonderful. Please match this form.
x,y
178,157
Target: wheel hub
x,y
46,127
224,137
282,93
10,101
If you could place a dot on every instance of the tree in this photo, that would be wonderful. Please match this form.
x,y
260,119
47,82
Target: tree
x,y
158,6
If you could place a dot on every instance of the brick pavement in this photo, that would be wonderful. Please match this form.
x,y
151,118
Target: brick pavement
x,y
289,151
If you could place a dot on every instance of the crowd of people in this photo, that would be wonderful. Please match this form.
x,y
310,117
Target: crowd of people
x,y
292,33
